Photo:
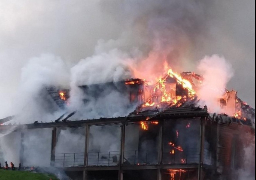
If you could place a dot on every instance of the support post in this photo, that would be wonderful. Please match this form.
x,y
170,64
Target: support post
x,y
159,174
87,134
53,146
160,150
121,160
201,157
160,143
85,175
217,146
21,148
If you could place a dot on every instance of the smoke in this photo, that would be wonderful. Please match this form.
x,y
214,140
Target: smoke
x,y
147,33
31,103
59,173
248,170
11,152
216,72
158,32
37,148
100,69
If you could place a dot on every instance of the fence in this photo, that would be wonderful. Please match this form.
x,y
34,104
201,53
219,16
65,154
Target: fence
x,y
112,158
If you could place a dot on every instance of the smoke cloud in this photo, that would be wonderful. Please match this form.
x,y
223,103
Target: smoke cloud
x,y
99,69
147,32
216,72
31,103
248,170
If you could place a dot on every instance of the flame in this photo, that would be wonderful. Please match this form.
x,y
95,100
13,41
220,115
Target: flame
x,y
172,144
172,151
144,125
167,96
154,122
173,172
62,95
147,104
238,115
179,148
185,83
163,93
132,81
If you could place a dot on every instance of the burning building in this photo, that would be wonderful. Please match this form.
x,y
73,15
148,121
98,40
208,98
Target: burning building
x,y
167,136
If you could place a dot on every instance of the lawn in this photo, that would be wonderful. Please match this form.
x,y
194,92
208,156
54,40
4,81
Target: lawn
x,y
24,175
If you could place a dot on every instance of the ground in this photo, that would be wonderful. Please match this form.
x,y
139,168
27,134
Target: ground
x,y
24,175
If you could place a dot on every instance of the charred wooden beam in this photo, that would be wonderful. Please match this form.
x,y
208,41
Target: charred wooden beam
x,y
102,121
53,145
122,147
21,148
159,174
87,134
4,120
201,157
160,150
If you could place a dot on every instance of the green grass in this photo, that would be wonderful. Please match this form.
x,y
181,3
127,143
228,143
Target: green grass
x,y
24,175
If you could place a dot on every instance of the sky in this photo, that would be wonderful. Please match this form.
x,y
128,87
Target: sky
x,y
183,32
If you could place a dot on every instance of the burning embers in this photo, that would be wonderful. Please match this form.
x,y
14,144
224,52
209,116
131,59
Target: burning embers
x,y
133,81
179,148
176,172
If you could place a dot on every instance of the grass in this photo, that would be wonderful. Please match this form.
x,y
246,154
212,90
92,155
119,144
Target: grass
x,y
24,175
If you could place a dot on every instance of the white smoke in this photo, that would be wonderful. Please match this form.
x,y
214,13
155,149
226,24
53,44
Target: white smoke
x,y
100,69
248,170
39,73
216,72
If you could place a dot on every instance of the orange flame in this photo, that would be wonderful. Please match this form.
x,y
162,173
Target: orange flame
x,y
172,151
173,173
172,144
238,115
131,82
154,122
167,94
144,125
147,104
62,95
179,148
185,83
